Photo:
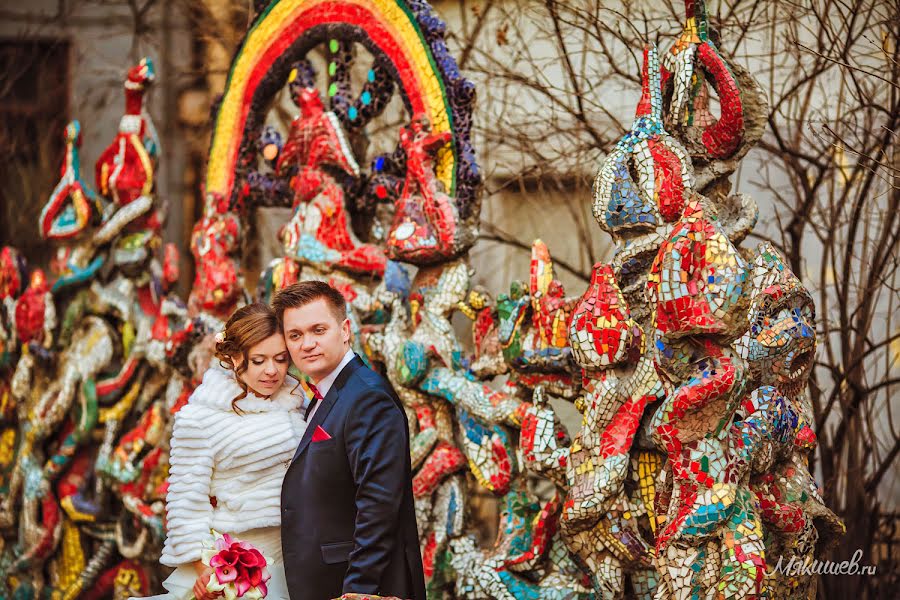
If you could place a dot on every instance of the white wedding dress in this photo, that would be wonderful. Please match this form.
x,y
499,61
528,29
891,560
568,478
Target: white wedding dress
x,y
225,474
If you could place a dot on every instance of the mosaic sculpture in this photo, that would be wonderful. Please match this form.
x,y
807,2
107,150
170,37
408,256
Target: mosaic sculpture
x,y
358,215
605,525
72,204
686,355
698,284
671,460
679,346
87,381
694,68
779,347
319,233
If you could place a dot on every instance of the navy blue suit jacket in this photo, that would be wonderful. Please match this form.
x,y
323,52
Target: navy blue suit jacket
x,y
347,518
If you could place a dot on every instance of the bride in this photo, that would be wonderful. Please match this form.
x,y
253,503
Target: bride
x,y
231,446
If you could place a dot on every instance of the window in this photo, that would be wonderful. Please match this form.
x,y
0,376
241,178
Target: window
x,y
34,109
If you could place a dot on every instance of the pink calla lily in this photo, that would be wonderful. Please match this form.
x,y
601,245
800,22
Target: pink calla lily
x,y
224,542
254,575
249,560
242,585
224,558
226,574
263,589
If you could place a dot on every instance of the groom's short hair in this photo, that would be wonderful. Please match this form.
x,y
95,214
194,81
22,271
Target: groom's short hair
x,y
304,292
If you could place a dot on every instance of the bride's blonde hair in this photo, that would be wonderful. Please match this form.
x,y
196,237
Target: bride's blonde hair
x,y
245,328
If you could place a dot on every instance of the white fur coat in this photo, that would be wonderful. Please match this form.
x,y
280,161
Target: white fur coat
x,y
239,460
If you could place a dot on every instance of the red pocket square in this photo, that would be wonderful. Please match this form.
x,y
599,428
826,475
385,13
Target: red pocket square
x,y
320,435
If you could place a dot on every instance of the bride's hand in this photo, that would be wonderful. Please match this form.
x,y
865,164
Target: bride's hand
x,y
203,574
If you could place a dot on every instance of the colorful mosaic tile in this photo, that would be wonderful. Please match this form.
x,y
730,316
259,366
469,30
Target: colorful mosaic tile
x,y
687,358
85,361
692,67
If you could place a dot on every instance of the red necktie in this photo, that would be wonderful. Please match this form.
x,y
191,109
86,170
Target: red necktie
x,y
315,400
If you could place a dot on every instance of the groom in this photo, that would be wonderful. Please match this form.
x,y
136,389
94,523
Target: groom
x,y
347,519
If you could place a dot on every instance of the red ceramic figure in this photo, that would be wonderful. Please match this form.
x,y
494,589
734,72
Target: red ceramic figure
x,y
34,309
124,172
10,274
319,234
216,287
425,223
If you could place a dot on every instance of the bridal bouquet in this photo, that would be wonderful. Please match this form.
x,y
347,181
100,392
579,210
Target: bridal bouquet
x,y
239,569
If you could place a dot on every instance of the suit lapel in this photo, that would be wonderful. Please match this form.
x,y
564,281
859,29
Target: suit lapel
x,y
321,412
328,403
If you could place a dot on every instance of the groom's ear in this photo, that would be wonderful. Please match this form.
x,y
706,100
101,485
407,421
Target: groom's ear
x,y
345,330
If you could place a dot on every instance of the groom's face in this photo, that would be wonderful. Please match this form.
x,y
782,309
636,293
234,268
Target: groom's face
x,y
314,337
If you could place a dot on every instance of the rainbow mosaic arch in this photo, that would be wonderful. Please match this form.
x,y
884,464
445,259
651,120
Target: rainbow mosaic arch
x,y
407,36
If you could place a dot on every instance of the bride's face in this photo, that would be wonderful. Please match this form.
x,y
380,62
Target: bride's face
x,y
267,365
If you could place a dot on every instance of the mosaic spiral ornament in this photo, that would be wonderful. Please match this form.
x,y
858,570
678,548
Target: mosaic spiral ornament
x,y
72,203
699,281
690,68
642,187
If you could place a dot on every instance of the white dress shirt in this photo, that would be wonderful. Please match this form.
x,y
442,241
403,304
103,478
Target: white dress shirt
x,y
326,382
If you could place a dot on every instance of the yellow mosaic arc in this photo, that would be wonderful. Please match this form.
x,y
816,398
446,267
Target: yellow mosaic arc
x,y
390,25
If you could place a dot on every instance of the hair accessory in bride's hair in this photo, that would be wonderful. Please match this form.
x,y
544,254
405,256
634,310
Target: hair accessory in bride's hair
x,y
220,337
